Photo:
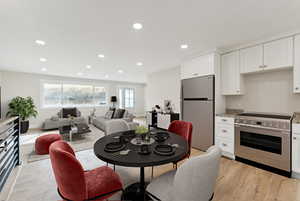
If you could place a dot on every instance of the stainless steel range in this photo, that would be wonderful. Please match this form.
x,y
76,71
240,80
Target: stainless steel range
x,y
264,139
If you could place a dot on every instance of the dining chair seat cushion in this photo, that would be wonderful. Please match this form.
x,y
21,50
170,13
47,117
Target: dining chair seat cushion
x,y
102,180
43,143
162,186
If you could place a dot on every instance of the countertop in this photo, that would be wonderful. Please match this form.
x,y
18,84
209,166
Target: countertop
x,y
230,113
296,119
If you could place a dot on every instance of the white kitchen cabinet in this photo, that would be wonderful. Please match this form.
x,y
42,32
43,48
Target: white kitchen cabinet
x,y
224,135
278,54
296,151
251,59
297,65
201,66
230,74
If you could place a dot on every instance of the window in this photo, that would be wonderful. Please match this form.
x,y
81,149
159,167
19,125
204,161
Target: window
x,y
69,95
126,97
52,94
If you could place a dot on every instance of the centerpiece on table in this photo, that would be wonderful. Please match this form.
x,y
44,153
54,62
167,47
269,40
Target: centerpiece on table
x,y
143,132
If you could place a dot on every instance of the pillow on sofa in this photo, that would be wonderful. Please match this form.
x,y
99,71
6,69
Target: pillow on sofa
x,y
119,113
69,111
109,114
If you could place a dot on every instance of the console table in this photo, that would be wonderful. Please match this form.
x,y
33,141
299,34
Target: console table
x,y
9,147
161,120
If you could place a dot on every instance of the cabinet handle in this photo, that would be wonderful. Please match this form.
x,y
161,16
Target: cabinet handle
x,y
224,119
195,74
295,138
261,66
224,131
297,88
224,145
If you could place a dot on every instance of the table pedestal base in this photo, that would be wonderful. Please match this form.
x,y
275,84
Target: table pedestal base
x,y
135,192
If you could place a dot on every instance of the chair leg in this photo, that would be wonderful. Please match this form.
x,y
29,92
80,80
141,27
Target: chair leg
x,y
114,167
152,172
212,197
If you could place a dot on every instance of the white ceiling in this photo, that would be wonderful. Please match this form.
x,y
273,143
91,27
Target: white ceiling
x,y
76,31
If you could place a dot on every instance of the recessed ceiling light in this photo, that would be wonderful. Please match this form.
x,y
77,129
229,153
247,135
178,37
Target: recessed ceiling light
x,y
40,42
106,76
137,26
139,63
43,59
184,46
44,69
100,55
120,71
88,67
80,73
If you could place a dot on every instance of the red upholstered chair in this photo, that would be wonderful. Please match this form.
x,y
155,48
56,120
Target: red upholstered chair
x,y
43,143
184,129
76,184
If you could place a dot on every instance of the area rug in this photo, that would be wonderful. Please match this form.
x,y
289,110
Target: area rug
x,y
79,143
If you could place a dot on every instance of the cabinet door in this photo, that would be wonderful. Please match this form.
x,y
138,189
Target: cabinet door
x,y
278,54
251,59
201,66
230,74
297,65
296,153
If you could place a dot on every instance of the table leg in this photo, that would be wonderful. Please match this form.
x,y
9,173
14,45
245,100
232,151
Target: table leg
x,y
137,191
70,136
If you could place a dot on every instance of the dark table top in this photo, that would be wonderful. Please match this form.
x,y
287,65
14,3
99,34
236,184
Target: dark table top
x,y
134,159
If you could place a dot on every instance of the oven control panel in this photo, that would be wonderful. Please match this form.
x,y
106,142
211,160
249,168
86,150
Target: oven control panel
x,y
264,123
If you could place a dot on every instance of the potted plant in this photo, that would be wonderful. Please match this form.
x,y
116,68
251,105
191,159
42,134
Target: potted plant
x,y
24,108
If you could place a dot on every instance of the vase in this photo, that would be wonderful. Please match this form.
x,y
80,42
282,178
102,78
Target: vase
x,y
24,126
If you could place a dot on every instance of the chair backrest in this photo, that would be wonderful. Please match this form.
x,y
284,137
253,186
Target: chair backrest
x,y
195,180
116,125
68,171
184,129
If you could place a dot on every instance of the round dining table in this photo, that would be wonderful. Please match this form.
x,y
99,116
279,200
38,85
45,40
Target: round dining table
x,y
137,191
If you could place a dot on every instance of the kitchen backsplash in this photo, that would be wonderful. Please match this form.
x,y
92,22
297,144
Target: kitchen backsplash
x,y
267,92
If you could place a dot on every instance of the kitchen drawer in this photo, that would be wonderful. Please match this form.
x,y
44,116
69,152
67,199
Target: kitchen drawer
x,y
225,145
224,120
296,129
225,131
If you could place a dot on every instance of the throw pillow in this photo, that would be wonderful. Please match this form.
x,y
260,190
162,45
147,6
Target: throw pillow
x,y
69,111
109,114
119,113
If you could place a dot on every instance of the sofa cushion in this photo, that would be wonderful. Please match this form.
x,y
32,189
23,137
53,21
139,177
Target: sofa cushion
x,y
69,111
109,114
119,113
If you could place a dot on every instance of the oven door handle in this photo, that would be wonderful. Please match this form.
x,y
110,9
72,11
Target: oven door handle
x,y
261,127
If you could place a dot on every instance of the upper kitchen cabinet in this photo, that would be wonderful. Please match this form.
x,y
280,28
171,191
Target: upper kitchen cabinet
x,y
201,66
278,54
251,59
297,65
230,74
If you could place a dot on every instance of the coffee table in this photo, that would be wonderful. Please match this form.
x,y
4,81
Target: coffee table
x,y
74,130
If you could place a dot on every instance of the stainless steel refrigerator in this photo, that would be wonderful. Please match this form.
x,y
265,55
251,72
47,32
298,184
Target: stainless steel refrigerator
x,y
197,102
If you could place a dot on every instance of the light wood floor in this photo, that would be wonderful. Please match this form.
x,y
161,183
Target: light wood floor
x,y
241,182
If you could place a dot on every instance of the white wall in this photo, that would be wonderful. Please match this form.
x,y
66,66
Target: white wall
x,y
26,84
163,85
267,92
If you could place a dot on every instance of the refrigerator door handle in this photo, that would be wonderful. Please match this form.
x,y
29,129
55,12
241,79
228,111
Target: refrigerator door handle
x,y
195,99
